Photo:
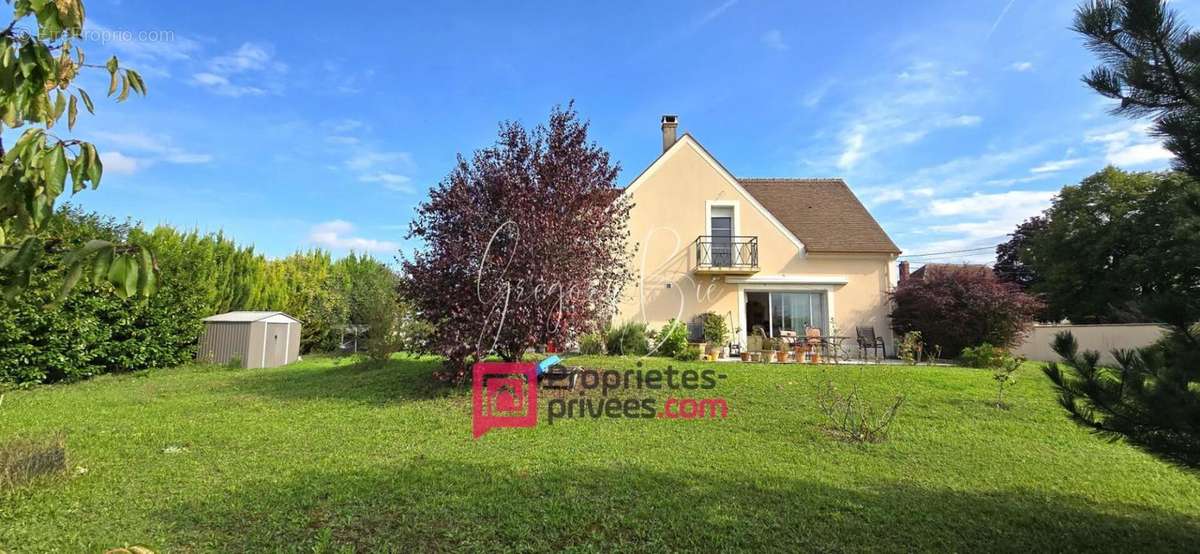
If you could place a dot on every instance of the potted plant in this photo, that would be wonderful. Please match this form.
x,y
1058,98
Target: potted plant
x,y
781,350
716,333
745,355
754,342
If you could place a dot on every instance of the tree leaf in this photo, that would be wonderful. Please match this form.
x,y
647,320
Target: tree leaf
x,y
101,266
131,277
95,167
69,283
56,171
112,84
112,65
117,271
87,101
72,112
148,282
124,88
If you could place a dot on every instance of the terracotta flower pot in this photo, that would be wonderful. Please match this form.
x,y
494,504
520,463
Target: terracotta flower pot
x,y
745,356
781,356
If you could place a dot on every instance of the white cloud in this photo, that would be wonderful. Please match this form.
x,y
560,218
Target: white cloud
x,y
148,50
716,12
1055,166
890,113
391,181
999,18
1130,146
250,61
853,150
878,195
365,160
774,40
817,94
1021,66
116,162
221,85
968,171
154,148
1023,201
339,234
248,57
962,121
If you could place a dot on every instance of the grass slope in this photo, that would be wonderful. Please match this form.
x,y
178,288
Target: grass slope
x,y
209,459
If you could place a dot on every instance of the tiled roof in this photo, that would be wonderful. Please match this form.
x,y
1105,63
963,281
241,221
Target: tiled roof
x,y
823,213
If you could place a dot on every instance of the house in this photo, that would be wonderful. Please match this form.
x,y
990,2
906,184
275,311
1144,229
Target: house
x,y
780,254
931,268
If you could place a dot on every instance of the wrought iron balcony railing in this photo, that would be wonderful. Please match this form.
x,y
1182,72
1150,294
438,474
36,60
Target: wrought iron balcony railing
x,y
727,253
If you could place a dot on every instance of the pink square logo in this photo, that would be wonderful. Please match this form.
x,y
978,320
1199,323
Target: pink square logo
x,y
504,394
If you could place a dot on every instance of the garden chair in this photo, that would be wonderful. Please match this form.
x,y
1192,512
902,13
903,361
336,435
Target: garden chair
x,y
813,342
868,341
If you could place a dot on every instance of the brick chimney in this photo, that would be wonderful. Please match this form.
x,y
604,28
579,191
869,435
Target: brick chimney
x,y
904,271
669,125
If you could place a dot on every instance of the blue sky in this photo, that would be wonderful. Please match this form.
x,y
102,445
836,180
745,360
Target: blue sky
x,y
292,124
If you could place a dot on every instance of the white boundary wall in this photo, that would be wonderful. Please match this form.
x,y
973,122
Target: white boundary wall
x,y
1101,338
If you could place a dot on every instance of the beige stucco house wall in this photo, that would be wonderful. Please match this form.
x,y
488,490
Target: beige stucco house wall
x,y
673,200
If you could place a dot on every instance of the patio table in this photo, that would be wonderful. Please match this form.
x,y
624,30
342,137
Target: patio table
x,y
830,346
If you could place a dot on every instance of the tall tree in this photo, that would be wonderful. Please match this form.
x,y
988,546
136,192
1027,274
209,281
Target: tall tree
x,y
523,244
1107,244
1011,265
39,61
1151,63
1153,399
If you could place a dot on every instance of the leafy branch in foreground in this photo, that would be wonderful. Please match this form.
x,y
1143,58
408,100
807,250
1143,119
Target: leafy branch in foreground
x,y
1151,64
1152,400
38,69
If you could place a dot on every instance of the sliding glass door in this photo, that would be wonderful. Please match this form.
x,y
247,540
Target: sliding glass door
x,y
785,311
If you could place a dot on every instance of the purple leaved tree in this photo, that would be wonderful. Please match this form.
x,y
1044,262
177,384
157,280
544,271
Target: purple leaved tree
x,y
524,244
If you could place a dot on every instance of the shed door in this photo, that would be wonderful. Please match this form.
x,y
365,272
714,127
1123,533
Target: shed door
x,y
277,343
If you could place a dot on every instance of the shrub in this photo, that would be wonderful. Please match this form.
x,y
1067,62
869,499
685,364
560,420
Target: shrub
x,y
716,333
984,356
672,339
956,307
628,339
853,419
910,347
23,460
689,353
591,344
1005,375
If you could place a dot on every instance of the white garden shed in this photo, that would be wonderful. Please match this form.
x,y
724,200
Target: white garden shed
x,y
255,339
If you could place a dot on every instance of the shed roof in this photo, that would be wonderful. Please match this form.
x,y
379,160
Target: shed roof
x,y
247,317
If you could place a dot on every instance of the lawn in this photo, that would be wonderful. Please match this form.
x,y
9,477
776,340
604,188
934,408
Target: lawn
x,y
328,453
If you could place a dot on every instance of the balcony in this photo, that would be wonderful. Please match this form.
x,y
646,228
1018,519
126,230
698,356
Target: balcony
x,y
726,255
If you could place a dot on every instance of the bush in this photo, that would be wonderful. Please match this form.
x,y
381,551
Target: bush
x,y
628,339
689,353
591,344
672,339
957,307
984,356
852,418
716,333
93,331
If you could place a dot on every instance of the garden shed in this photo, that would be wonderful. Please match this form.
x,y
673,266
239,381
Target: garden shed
x,y
253,339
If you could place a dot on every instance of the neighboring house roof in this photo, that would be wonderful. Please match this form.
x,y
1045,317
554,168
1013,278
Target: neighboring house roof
x,y
931,268
823,213
248,317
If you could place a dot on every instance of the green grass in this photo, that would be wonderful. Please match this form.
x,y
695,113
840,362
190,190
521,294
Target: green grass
x,y
329,453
